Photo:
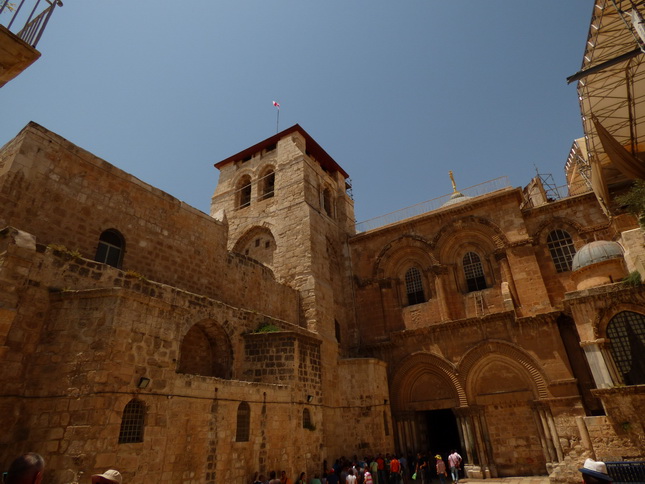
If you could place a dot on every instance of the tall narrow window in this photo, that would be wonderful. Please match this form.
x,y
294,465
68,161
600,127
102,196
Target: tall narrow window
x,y
110,249
626,332
306,419
268,184
244,192
474,272
386,425
562,249
327,201
132,423
243,422
414,286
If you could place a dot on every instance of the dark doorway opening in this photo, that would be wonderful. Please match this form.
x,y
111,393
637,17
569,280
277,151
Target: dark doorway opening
x,y
442,434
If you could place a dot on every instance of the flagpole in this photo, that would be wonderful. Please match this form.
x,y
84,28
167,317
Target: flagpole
x,y
277,121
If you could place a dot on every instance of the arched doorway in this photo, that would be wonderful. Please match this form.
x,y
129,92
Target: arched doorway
x,y
425,390
504,393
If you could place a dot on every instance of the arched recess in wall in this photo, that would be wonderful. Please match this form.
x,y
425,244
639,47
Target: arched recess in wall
x,y
425,382
465,242
206,350
498,369
257,243
406,261
395,254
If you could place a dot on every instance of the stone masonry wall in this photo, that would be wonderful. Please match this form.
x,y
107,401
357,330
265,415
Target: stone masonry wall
x,y
68,197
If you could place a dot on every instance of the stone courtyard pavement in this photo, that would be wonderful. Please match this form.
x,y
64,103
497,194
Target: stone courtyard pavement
x,y
509,480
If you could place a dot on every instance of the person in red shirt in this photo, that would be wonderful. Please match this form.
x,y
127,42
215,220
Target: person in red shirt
x,y
395,470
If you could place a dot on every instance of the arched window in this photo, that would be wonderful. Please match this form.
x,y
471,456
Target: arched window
x,y
474,272
414,286
626,332
244,192
111,248
306,419
562,249
243,422
267,185
132,422
327,202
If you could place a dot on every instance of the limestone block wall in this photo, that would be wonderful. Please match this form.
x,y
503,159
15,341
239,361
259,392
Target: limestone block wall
x,y
69,371
68,197
362,424
582,218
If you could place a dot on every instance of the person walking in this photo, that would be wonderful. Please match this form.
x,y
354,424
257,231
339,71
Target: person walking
x,y
454,461
441,468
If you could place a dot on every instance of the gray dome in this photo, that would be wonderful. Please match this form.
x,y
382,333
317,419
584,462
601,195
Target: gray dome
x,y
597,251
456,197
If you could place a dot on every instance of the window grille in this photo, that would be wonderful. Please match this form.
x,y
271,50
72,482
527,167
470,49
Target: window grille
x,y
562,249
414,286
306,419
268,184
626,332
474,272
243,422
132,423
244,192
110,248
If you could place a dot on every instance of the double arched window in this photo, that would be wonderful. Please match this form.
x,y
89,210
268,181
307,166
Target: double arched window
x,y
111,248
626,333
473,272
414,286
562,249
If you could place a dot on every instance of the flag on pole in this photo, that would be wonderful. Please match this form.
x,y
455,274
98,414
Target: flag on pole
x,y
276,104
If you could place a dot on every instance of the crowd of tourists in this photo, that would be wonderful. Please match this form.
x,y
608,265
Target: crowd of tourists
x,y
379,469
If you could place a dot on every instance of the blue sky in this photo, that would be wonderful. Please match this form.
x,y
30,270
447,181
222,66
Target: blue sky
x,y
397,92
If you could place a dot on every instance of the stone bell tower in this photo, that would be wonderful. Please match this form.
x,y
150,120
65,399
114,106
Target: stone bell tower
x,y
287,206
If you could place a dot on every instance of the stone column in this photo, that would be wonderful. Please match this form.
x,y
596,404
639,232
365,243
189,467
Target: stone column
x,y
507,276
544,432
441,273
405,426
597,363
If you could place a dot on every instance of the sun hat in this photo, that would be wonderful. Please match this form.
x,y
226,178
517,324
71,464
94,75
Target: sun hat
x,y
111,475
596,469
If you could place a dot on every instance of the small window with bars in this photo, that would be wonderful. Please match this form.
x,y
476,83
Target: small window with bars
x,y
306,419
626,332
243,422
414,286
132,423
474,272
562,249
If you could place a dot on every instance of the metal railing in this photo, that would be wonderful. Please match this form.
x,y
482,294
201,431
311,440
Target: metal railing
x,y
34,23
430,205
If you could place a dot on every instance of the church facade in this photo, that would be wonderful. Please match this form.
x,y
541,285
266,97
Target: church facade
x,y
274,333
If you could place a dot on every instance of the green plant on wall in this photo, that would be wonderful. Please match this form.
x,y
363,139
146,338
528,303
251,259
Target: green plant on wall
x,y
634,201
